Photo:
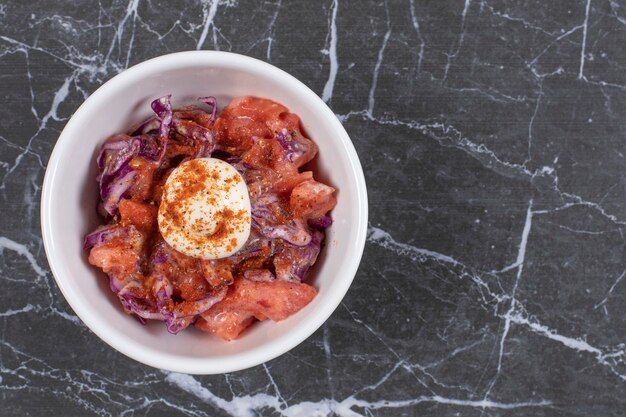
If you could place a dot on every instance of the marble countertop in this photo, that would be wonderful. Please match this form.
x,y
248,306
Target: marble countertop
x,y
493,141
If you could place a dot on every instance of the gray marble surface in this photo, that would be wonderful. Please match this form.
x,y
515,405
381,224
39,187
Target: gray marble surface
x,y
493,140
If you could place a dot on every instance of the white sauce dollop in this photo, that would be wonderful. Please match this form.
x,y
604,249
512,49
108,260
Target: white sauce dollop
x,y
205,209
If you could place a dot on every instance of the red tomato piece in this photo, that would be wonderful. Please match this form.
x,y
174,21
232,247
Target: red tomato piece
x,y
141,215
311,199
272,171
275,300
241,120
246,119
120,255
225,324
142,186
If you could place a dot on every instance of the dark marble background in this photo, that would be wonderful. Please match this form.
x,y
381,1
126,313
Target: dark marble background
x,y
493,139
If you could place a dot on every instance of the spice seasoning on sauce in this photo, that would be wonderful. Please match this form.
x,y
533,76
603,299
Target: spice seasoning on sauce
x,y
205,211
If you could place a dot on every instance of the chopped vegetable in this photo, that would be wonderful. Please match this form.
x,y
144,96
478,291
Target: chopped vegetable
x,y
265,278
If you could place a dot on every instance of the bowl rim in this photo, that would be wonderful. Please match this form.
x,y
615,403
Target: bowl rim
x,y
236,361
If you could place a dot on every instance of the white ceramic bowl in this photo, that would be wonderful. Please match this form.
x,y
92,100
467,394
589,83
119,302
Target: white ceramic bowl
x,y
70,192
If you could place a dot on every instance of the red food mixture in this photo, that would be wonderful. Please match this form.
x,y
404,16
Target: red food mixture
x,y
265,278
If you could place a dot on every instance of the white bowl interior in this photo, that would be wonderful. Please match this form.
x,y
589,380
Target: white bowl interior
x,y
70,193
